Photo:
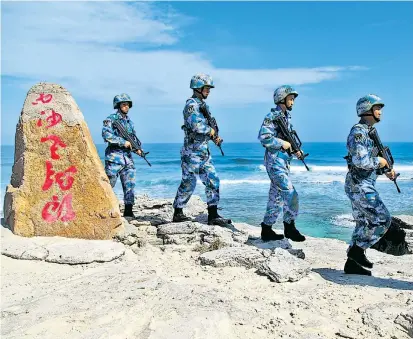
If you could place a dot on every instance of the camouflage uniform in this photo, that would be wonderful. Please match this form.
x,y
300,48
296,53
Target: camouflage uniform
x,y
196,157
118,159
371,215
282,195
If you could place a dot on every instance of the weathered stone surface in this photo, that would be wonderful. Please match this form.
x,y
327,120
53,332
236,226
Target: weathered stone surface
x,y
59,249
188,227
233,256
282,266
22,248
140,236
40,181
160,211
194,232
405,321
284,244
381,317
80,251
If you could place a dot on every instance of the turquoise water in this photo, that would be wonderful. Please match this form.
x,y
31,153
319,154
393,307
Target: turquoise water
x,y
324,208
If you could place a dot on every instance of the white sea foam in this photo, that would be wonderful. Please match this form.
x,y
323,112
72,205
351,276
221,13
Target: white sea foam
x,y
344,220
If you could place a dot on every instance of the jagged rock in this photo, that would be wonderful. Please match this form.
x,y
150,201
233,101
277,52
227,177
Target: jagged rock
x,y
405,321
381,318
138,235
282,266
279,265
284,244
160,211
409,239
59,250
226,235
395,241
187,227
233,256
403,221
194,232
58,186
297,252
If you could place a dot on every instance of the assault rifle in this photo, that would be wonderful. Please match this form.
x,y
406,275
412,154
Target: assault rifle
x,y
212,123
132,138
384,152
292,138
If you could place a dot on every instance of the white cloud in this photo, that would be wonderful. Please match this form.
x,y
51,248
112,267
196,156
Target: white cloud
x,y
86,47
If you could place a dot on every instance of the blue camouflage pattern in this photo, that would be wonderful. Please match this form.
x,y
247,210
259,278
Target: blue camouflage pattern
x,y
282,92
282,194
366,103
118,159
118,99
370,214
200,80
116,151
196,157
127,178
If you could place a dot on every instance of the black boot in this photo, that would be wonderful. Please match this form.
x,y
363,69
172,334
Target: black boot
x,y
291,232
128,211
215,219
351,267
357,254
179,216
267,234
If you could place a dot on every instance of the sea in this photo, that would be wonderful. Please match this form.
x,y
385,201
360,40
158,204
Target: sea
x,y
325,210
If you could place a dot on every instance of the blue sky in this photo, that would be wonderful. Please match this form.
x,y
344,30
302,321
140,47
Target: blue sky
x,y
332,52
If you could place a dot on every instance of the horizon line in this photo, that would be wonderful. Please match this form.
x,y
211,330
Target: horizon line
x,y
244,142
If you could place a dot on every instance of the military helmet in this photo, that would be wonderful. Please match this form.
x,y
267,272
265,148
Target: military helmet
x,y
118,99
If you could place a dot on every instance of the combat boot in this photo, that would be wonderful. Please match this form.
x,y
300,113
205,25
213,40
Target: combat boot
x,y
351,267
291,232
128,211
267,233
179,216
357,254
215,219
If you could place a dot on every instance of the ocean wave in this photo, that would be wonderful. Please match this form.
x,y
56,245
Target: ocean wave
x,y
336,169
344,220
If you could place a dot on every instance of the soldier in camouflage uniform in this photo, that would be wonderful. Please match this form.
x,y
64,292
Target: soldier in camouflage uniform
x,y
371,215
118,155
195,154
282,195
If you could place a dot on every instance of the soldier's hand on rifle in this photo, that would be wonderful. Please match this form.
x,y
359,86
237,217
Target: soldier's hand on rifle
x,y
286,145
298,154
139,152
383,162
128,144
391,175
217,140
212,133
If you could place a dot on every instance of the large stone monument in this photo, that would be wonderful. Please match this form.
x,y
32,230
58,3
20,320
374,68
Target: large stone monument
x,y
58,186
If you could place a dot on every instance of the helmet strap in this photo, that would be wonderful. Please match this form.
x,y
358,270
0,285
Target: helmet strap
x,y
370,114
199,91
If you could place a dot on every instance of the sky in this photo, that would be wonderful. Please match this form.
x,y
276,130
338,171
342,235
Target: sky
x,y
332,53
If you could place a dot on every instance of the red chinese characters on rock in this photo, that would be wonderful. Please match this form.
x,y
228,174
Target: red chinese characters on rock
x,y
58,210
44,98
59,177
53,119
56,142
55,210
